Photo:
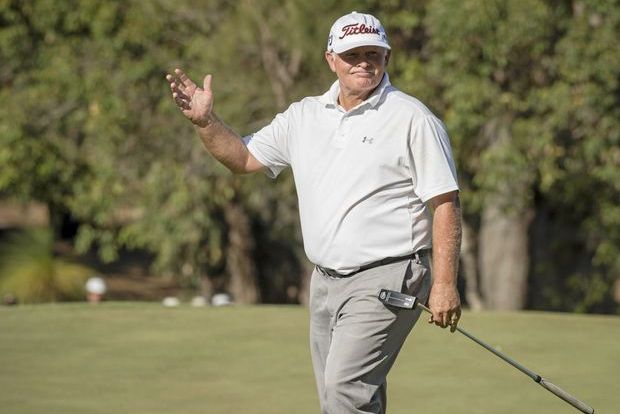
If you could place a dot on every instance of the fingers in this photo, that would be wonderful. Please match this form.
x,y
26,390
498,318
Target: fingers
x,y
181,101
185,81
176,92
454,321
207,83
444,319
179,93
440,319
180,83
176,86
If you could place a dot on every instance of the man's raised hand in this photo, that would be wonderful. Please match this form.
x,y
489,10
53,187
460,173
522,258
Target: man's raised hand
x,y
195,103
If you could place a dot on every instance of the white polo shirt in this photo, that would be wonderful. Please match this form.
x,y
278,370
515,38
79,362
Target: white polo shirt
x,y
362,176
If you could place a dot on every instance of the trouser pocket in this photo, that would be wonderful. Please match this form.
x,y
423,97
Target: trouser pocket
x,y
417,273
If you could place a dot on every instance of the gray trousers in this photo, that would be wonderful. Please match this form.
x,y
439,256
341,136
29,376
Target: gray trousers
x,y
354,338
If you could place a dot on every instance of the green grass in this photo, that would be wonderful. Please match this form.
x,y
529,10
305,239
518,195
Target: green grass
x,y
143,358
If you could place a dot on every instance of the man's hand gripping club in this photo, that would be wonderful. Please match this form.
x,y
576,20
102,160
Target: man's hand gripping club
x,y
445,305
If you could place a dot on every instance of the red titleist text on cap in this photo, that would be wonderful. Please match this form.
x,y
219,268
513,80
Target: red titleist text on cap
x,y
357,28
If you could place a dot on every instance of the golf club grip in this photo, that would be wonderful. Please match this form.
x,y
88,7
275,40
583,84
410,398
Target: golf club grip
x,y
581,406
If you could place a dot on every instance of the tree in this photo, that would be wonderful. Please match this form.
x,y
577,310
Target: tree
x,y
579,177
91,131
500,74
95,135
529,91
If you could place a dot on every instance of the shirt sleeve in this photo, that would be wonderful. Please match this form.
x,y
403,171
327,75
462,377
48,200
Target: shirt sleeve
x,y
270,145
430,156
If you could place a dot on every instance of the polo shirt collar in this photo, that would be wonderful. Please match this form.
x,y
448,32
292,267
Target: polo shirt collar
x,y
330,98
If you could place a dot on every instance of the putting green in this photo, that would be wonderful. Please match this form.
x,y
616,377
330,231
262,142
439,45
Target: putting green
x,y
143,358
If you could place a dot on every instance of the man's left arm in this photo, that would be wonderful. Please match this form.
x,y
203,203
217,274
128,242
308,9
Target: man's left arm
x,y
444,300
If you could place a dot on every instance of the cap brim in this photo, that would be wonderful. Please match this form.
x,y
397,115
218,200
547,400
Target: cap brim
x,y
343,48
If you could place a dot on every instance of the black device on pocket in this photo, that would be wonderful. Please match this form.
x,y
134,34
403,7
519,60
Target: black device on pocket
x,y
397,299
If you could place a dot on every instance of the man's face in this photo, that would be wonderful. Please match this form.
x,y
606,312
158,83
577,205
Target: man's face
x,y
361,69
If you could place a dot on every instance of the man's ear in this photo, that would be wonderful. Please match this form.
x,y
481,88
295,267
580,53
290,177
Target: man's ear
x,y
388,53
329,57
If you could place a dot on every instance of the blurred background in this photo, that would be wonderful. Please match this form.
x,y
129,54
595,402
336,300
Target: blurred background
x,y
100,175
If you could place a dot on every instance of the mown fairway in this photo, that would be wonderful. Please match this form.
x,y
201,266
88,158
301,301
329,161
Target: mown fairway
x,y
142,358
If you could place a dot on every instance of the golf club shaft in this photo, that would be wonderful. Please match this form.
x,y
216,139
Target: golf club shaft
x,y
488,347
549,386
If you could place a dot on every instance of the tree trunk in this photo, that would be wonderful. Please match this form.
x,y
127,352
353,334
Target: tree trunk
x,y
243,284
469,268
505,220
206,287
504,257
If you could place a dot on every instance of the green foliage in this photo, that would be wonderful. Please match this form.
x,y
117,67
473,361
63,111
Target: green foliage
x,y
30,272
528,90
95,131
587,126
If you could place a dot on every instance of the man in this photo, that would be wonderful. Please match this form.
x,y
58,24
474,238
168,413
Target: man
x,y
377,188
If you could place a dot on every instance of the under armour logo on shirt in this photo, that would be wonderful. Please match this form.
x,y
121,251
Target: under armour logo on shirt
x,y
367,140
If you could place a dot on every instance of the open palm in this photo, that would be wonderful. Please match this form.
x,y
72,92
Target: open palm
x,y
195,103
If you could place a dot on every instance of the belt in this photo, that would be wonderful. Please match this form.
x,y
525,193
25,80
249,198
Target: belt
x,y
417,256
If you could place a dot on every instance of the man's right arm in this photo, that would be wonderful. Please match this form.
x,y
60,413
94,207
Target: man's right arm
x,y
224,144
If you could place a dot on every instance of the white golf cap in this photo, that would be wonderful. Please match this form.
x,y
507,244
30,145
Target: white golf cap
x,y
355,30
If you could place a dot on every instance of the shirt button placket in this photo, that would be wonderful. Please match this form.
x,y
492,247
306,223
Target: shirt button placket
x,y
341,134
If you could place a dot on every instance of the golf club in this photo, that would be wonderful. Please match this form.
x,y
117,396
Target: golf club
x,y
401,300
